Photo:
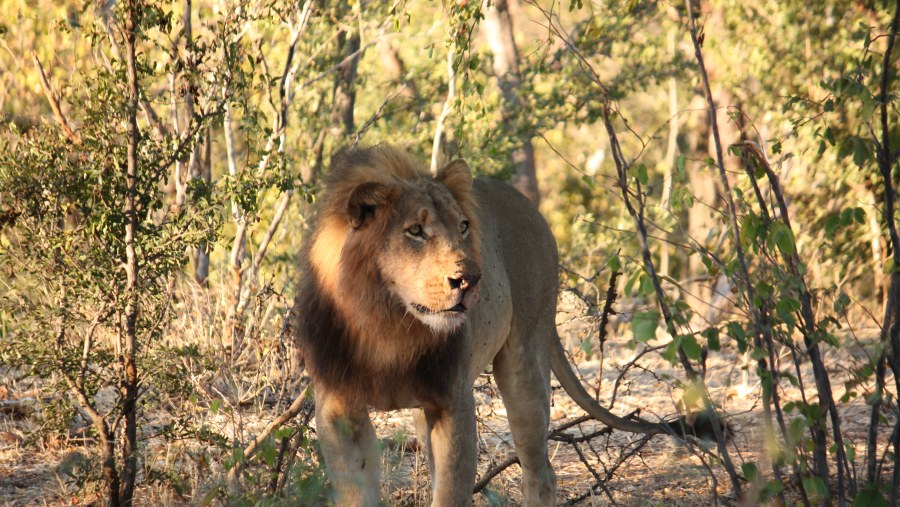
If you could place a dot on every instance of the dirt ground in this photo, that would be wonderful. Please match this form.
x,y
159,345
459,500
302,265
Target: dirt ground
x,y
611,469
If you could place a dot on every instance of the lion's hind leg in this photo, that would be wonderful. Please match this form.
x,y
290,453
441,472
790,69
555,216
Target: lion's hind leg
x,y
522,372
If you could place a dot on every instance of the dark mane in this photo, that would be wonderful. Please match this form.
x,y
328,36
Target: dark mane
x,y
329,350
344,315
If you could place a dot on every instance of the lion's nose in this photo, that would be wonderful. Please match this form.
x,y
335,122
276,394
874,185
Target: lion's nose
x,y
463,282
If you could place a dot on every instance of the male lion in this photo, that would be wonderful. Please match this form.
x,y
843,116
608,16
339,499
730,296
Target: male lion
x,y
411,285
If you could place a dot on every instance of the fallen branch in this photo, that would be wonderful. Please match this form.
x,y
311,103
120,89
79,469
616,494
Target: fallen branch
x,y
251,449
557,434
493,472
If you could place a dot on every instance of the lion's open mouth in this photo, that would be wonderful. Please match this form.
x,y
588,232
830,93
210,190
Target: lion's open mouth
x,y
458,308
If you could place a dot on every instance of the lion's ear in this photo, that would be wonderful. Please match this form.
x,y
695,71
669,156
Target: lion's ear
x,y
364,200
457,177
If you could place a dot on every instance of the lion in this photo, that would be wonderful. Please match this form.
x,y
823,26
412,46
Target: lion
x,y
411,285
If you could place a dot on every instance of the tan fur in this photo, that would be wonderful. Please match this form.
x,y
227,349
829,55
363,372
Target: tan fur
x,y
399,307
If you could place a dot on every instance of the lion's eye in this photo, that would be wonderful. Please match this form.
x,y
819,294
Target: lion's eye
x,y
464,227
416,231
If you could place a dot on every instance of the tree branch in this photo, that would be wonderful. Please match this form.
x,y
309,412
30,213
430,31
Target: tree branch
x,y
54,102
250,450
445,112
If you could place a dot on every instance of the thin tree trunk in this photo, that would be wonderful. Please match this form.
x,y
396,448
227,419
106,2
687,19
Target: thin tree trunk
x,y
890,328
874,417
201,257
498,28
345,84
107,444
238,248
671,151
760,329
702,183
130,349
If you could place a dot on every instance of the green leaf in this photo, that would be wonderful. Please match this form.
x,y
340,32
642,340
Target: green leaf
x,y
712,338
629,285
815,486
586,347
750,471
870,497
679,168
614,263
690,346
646,287
861,152
831,223
783,237
736,331
845,149
670,353
641,175
841,303
786,307
644,325
588,181
868,104
829,136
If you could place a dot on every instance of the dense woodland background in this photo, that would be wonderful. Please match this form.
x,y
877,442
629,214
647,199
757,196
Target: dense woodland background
x,y
159,162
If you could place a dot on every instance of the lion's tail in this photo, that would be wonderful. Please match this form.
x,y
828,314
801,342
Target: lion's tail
x,y
570,382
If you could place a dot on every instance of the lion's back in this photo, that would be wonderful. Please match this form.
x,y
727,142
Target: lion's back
x,y
522,246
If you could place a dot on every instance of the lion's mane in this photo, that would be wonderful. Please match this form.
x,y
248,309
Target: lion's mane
x,y
345,316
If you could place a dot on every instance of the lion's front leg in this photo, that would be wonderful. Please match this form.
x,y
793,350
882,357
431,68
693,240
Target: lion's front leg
x,y
453,448
348,444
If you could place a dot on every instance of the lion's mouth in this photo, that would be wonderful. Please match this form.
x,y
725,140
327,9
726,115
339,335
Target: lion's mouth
x,y
458,308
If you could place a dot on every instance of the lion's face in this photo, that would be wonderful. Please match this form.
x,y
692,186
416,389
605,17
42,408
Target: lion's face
x,y
427,257
427,260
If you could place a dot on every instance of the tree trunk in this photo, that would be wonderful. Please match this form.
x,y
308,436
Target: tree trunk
x,y
201,257
498,29
702,223
671,151
345,84
130,349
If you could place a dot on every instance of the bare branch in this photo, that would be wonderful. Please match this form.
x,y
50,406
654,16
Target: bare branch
x,y
448,105
54,102
493,472
270,233
250,450
377,114
107,21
